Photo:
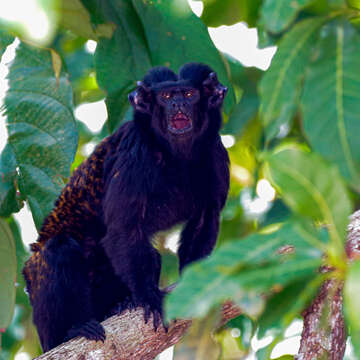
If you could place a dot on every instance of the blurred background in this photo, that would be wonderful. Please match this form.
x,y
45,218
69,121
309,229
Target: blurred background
x,y
247,41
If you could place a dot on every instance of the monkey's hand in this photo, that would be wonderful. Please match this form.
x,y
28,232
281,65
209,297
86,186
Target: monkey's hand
x,y
214,90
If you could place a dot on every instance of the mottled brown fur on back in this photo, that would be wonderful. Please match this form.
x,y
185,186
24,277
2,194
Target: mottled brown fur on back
x,y
79,201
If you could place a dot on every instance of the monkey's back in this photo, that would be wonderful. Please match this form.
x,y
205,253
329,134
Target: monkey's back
x,y
76,213
78,210
79,201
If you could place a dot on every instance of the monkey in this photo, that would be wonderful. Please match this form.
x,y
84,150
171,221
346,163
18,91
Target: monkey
x,y
166,166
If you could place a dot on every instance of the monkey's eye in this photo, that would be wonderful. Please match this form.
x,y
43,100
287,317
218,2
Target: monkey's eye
x,y
166,95
189,94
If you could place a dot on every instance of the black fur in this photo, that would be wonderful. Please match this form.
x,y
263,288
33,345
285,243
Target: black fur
x,y
94,253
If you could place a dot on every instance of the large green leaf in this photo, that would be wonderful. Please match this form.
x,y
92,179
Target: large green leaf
x,y
352,304
7,274
280,87
179,37
5,40
331,100
242,270
314,189
41,127
121,60
8,175
277,15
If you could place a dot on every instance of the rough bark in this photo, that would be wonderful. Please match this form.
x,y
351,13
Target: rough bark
x,y
128,337
324,334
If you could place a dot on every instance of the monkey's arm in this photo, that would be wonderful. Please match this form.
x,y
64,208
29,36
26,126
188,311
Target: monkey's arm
x,y
200,233
127,240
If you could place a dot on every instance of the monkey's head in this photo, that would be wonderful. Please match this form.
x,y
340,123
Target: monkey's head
x,y
177,107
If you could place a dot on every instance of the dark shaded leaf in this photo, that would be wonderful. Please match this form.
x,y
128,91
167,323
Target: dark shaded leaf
x,y
249,103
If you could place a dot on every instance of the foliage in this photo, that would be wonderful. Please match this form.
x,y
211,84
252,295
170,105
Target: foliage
x,y
295,124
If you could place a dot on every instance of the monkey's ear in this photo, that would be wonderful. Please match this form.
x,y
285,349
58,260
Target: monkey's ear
x,y
214,90
140,98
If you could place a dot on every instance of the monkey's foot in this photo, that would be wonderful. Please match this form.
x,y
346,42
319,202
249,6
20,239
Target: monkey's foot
x,y
126,304
153,304
91,330
157,316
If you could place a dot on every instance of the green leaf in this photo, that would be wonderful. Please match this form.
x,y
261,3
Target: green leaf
x,y
283,307
75,17
280,87
314,189
8,176
278,275
248,106
277,15
7,274
242,270
330,101
121,60
279,212
354,3
5,40
228,12
180,37
41,127
352,304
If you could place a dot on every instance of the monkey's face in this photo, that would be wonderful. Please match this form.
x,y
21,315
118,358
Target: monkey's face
x,y
179,107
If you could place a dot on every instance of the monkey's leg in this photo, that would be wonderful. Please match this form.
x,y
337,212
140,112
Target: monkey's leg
x,y
138,265
58,284
198,237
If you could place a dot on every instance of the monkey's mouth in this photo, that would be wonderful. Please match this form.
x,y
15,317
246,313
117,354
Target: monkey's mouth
x,y
180,123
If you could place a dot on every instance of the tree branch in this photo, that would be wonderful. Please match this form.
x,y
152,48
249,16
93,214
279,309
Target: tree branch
x,y
324,334
128,337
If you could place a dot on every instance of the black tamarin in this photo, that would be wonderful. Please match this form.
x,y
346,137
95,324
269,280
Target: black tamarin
x,y
165,167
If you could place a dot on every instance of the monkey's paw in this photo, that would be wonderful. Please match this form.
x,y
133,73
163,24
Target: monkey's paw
x,y
153,305
91,330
